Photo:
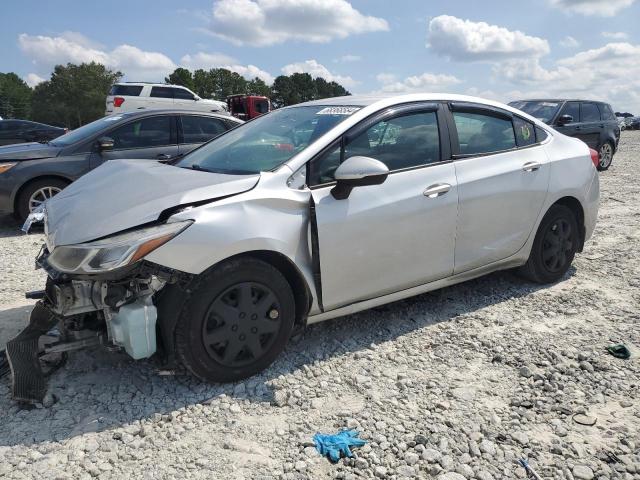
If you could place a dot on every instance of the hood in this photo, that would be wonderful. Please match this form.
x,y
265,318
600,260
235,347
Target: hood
x,y
122,194
28,151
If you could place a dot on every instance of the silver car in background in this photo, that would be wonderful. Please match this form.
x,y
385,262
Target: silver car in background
x,y
311,212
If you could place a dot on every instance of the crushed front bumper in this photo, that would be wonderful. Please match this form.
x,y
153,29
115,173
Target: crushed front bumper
x,y
117,310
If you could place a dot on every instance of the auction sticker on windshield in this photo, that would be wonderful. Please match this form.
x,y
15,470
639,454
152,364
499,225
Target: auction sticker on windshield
x,y
338,110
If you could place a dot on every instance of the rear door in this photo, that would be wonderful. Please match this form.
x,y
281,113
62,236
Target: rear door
x,y
160,98
503,178
153,138
12,132
389,237
194,130
592,126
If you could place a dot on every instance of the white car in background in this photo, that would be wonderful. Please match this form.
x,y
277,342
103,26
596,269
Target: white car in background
x,y
131,96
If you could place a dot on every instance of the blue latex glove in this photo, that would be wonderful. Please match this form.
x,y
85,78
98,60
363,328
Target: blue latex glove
x,y
335,445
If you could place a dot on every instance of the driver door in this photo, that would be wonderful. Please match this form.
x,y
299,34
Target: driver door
x,y
397,235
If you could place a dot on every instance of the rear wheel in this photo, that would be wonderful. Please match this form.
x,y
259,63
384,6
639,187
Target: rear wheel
x,y
36,193
237,320
554,247
606,156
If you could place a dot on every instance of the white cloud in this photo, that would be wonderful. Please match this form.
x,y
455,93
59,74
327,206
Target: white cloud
x,y
348,59
569,42
386,77
615,35
33,79
604,8
610,73
269,22
427,82
72,47
207,61
465,40
315,69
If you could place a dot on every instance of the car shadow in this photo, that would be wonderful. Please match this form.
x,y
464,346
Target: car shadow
x,y
98,390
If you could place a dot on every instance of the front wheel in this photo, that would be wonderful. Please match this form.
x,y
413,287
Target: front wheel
x,y
554,247
606,156
236,321
36,193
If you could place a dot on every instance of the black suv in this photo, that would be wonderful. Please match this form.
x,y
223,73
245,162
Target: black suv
x,y
592,122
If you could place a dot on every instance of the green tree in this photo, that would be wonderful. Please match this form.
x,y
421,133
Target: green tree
x,y
181,76
257,86
75,94
301,87
218,83
15,97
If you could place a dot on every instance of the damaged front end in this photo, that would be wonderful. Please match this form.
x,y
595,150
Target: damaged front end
x,y
97,293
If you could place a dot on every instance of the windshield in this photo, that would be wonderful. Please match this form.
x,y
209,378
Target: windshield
x,y
85,131
544,111
266,142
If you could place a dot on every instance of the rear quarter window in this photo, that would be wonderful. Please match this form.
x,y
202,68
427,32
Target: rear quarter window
x,y
126,90
525,132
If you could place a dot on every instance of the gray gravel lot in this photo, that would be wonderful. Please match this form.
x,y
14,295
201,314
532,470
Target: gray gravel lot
x,y
455,384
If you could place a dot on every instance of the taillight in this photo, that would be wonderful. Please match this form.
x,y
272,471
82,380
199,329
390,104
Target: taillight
x,y
595,157
117,101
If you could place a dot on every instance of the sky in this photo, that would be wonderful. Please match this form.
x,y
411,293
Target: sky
x,y
503,50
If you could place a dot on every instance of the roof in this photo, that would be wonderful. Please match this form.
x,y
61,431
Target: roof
x,y
366,100
173,111
558,100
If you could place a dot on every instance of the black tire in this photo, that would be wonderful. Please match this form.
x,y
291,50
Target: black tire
x,y
205,335
549,261
22,204
605,154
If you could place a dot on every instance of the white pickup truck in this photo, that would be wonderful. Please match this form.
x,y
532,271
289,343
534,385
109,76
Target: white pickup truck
x,y
133,96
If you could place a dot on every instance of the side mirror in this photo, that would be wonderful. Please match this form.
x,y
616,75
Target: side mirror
x,y
358,172
564,119
105,143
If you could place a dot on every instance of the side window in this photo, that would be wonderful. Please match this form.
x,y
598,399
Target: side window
x,y
162,92
145,133
481,133
182,94
525,133
541,135
573,109
401,142
590,112
605,112
200,129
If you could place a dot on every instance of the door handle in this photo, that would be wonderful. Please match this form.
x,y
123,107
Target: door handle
x,y
436,190
163,156
531,166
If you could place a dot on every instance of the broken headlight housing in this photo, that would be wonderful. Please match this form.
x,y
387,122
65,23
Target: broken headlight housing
x,y
113,252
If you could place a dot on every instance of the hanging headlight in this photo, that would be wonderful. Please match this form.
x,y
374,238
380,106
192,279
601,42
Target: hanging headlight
x,y
113,252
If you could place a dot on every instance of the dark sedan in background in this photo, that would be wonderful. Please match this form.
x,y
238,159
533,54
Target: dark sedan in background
x,y
23,131
33,172
592,122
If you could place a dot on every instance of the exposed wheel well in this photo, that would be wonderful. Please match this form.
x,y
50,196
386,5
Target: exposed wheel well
x,y
298,284
33,180
574,205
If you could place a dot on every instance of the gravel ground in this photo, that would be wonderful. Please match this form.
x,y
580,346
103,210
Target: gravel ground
x,y
455,384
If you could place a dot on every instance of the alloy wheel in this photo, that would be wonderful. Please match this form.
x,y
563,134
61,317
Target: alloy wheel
x,y
606,155
557,245
241,324
41,195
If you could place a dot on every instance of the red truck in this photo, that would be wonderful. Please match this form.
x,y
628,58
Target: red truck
x,y
246,107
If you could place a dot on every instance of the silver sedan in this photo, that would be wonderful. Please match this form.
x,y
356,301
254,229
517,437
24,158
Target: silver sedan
x,y
311,212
